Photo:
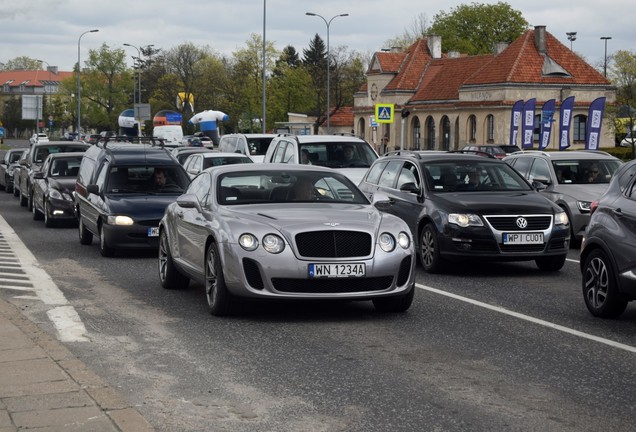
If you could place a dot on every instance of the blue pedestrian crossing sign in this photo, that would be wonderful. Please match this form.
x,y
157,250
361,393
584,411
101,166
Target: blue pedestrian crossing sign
x,y
384,113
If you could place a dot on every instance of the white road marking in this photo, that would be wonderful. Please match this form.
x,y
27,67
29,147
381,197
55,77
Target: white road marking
x,y
572,260
67,322
530,319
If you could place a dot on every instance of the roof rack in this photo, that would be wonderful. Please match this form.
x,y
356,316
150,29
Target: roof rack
x,y
475,152
104,141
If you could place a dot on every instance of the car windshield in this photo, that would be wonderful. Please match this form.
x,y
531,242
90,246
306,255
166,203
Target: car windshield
x,y
585,171
258,146
147,179
65,167
472,175
339,154
262,187
15,156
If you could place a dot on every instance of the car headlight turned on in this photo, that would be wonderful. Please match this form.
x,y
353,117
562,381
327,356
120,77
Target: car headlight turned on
x,y
273,244
561,218
584,206
387,242
248,242
465,219
404,240
120,220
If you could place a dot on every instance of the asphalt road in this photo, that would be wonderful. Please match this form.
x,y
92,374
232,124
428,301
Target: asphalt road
x,y
488,347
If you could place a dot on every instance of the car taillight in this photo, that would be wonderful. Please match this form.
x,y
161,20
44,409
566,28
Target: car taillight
x,y
593,206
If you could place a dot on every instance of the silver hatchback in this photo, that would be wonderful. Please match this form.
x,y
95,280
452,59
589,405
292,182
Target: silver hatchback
x,y
573,180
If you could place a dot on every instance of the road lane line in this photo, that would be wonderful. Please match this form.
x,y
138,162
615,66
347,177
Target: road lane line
x,y
572,260
67,322
530,319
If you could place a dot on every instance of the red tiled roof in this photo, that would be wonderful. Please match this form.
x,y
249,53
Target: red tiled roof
x,y
416,58
440,80
343,116
444,77
34,78
521,62
388,61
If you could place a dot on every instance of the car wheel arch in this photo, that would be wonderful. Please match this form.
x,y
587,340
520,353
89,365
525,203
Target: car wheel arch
x,y
597,244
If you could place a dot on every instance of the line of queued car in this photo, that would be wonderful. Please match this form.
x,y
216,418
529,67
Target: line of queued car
x,y
325,217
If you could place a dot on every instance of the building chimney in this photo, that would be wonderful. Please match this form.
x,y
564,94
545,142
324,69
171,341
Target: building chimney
x,y
500,47
52,69
539,39
434,46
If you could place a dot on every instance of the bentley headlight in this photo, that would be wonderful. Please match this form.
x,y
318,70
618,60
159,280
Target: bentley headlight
x,y
561,218
404,240
584,206
273,243
55,194
387,242
248,242
120,220
465,219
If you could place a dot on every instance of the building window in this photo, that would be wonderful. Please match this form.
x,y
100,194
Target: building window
x,y
417,142
472,129
430,134
579,127
446,133
490,128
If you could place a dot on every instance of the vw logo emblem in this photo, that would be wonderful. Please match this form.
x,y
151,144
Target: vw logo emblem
x,y
522,222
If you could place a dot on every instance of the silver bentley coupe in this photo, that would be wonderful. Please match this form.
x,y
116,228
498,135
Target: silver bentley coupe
x,y
281,231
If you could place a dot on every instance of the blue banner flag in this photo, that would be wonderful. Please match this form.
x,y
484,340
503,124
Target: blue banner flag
x,y
514,121
564,122
594,122
528,123
547,116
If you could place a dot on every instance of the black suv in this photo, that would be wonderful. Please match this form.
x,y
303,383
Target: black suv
x,y
463,206
33,162
608,251
122,191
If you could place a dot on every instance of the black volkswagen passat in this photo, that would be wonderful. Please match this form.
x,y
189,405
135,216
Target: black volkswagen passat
x,y
468,207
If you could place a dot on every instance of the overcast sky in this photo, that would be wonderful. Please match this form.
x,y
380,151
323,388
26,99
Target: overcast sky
x,y
49,30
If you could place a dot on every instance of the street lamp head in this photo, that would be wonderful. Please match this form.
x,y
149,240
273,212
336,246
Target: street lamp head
x,y
93,31
605,37
346,14
310,14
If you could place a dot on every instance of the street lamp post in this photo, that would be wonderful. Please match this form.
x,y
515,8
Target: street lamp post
x,y
605,38
328,23
48,68
571,38
79,83
138,72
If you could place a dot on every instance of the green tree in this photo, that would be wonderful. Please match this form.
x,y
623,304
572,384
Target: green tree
x,y
622,71
247,81
22,63
475,28
290,89
315,61
107,85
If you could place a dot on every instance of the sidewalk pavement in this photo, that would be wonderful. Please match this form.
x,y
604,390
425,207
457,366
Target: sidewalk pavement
x,y
44,387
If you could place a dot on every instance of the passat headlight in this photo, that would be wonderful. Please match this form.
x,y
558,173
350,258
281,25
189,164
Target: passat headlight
x,y
120,220
561,218
404,240
273,243
55,194
465,219
584,206
248,242
387,242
